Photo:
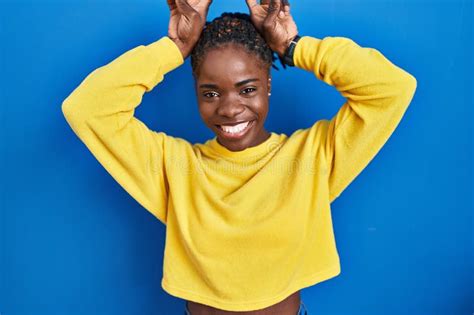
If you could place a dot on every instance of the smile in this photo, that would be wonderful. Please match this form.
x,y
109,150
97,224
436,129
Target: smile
x,y
236,131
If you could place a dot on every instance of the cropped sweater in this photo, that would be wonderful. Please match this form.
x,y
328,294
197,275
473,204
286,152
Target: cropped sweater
x,y
244,229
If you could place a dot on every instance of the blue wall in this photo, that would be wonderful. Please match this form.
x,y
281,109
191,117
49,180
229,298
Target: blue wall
x,y
74,242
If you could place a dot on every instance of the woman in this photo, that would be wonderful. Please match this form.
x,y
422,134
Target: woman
x,y
248,212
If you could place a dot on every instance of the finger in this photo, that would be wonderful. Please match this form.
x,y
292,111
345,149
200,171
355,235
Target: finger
x,y
251,4
171,4
286,10
184,7
273,10
207,4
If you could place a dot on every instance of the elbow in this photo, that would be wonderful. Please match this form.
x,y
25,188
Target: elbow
x,y
406,89
411,84
407,83
72,114
68,110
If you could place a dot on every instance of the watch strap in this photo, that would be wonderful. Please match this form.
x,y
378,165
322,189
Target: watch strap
x,y
290,51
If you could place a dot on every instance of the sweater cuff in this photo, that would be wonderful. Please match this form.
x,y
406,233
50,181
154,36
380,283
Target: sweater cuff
x,y
166,53
305,50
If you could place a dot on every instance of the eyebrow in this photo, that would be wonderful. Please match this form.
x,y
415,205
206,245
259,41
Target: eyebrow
x,y
214,86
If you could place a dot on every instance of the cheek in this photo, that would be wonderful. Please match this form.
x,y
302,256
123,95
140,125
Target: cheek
x,y
262,105
205,110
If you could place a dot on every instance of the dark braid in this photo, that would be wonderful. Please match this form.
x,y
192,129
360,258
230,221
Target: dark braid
x,y
235,28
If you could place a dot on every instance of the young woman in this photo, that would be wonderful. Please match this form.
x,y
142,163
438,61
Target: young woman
x,y
247,213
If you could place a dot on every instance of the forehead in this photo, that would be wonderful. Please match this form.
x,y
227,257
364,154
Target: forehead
x,y
230,64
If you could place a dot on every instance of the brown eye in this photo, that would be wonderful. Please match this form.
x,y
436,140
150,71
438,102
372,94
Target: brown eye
x,y
248,90
210,94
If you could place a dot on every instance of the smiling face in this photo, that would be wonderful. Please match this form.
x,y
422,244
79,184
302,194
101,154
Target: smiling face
x,y
232,88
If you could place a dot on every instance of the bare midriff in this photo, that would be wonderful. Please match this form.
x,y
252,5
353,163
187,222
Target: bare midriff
x,y
289,306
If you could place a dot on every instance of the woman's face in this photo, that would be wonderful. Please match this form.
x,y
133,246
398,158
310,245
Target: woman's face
x,y
232,88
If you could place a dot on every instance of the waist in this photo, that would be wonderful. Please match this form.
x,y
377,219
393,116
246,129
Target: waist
x,y
289,306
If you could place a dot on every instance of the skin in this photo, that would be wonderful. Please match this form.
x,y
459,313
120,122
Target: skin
x,y
224,98
274,21
271,18
231,86
187,19
288,306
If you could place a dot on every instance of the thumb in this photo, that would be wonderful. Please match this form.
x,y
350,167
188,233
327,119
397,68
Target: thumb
x,y
273,10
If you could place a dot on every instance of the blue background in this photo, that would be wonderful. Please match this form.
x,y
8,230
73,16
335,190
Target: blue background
x,y
74,242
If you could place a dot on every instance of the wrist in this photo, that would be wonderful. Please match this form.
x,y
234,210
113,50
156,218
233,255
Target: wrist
x,y
183,48
281,50
288,56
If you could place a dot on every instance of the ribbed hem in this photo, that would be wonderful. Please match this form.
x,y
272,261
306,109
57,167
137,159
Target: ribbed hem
x,y
167,54
304,44
251,305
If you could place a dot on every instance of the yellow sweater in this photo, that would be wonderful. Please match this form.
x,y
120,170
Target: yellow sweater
x,y
243,229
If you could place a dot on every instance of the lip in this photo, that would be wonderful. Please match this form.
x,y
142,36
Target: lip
x,y
236,135
234,123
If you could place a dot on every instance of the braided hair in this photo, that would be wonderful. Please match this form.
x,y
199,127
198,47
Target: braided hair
x,y
235,28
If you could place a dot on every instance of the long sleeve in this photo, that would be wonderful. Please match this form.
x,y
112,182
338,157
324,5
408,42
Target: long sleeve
x,y
377,95
101,113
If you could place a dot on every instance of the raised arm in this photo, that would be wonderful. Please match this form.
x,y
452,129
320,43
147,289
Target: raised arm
x,y
377,93
101,109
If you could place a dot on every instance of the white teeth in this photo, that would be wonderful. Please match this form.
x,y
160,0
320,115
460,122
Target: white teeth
x,y
235,129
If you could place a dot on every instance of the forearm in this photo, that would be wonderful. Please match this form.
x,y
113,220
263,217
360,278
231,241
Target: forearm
x,y
118,87
358,73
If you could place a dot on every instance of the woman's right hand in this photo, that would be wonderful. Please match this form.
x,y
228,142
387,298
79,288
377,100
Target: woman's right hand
x,y
187,20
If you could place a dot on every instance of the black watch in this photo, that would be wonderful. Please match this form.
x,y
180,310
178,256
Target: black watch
x,y
290,51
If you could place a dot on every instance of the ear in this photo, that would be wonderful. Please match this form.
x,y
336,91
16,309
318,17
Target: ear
x,y
269,86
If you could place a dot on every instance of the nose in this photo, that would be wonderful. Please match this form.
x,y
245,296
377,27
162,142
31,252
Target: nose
x,y
229,108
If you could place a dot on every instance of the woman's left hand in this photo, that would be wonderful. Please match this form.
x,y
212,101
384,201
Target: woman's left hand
x,y
273,20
